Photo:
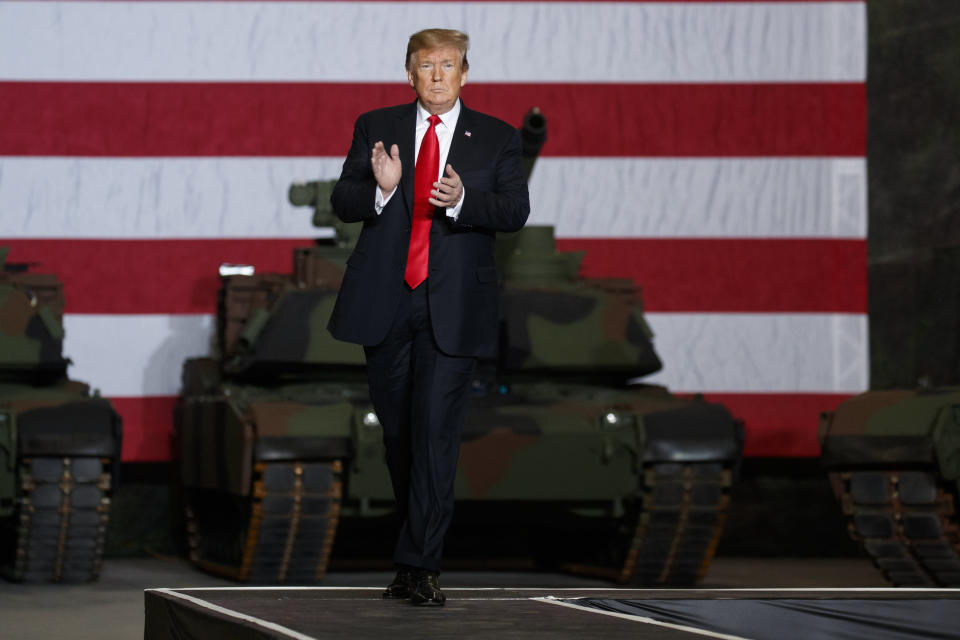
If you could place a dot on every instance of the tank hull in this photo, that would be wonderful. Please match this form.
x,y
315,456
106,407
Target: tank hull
x,y
632,501
893,458
62,451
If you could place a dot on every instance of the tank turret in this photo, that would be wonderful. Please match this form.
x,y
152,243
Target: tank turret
x,y
59,445
572,352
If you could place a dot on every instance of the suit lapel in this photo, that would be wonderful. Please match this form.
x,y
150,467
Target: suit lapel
x,y
407,136
459,143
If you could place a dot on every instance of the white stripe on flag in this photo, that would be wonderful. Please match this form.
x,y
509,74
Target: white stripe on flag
x,y
142,355
514,42
747,353
700,197
156,198
134,355
584,197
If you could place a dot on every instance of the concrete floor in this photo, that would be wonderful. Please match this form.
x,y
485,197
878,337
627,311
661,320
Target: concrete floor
x,y
112,609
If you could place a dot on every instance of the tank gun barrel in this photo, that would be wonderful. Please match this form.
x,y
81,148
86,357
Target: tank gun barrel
x,y
533,133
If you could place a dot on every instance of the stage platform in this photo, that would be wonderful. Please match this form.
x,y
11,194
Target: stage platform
x,y
307,613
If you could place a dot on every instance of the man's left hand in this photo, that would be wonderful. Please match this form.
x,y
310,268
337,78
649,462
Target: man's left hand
x,y
447,192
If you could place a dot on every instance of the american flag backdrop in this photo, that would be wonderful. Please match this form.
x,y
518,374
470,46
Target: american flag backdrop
x,y
713,151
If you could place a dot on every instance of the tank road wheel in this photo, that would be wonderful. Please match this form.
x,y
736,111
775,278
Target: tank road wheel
x,y
906,521
282,533
60,527
670,534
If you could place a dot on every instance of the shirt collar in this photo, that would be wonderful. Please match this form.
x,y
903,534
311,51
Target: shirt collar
x,y
449,119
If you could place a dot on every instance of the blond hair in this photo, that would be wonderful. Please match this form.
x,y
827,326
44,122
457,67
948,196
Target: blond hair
x,y
436,38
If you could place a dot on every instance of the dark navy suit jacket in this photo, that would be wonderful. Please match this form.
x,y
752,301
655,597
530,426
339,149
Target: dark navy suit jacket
x,y
462,277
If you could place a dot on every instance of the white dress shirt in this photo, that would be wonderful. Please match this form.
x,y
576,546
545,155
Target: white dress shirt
x,y
448,123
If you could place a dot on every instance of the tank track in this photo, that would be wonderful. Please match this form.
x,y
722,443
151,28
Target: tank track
x,y
60,528
672,538
282,533
906,521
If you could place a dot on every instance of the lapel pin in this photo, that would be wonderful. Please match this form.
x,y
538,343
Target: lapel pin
x,y
466,133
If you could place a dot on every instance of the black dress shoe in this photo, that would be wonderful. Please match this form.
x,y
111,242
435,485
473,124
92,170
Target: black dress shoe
x,y
427,591
402,585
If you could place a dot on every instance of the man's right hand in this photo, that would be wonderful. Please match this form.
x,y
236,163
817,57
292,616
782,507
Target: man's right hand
x,y
386,168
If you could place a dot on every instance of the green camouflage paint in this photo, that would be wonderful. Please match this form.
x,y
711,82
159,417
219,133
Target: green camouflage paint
x,y
895,427
55,439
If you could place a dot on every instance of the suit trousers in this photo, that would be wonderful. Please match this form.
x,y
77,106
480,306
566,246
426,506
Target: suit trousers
x,y
419,394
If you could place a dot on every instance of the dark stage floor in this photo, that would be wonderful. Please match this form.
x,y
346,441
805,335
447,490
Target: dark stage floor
x,y
308,613
113,608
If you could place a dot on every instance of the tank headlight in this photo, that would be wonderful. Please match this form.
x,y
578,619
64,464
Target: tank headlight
x,y
370,419
612,420
227,269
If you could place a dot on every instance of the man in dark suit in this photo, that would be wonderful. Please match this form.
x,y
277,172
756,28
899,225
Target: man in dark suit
x,y
420,289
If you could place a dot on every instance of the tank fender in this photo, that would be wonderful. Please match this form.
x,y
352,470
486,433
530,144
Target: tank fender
x,y
698,432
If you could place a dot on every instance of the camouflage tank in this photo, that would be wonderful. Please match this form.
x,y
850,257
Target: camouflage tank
x,y
893,458
651,472
59,446
280,445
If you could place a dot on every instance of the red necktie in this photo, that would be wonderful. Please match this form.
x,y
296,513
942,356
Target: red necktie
x,y
424,175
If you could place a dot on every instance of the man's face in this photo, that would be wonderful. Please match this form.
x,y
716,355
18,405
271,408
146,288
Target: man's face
x,y
437,76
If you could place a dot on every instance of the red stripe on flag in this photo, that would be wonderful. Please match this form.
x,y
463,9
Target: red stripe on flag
x,y
148,276
780,425
734,275
776,424
677,275
147,428
298,119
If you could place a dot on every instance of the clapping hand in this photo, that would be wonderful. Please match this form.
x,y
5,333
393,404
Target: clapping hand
x,y
386,168
447,192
